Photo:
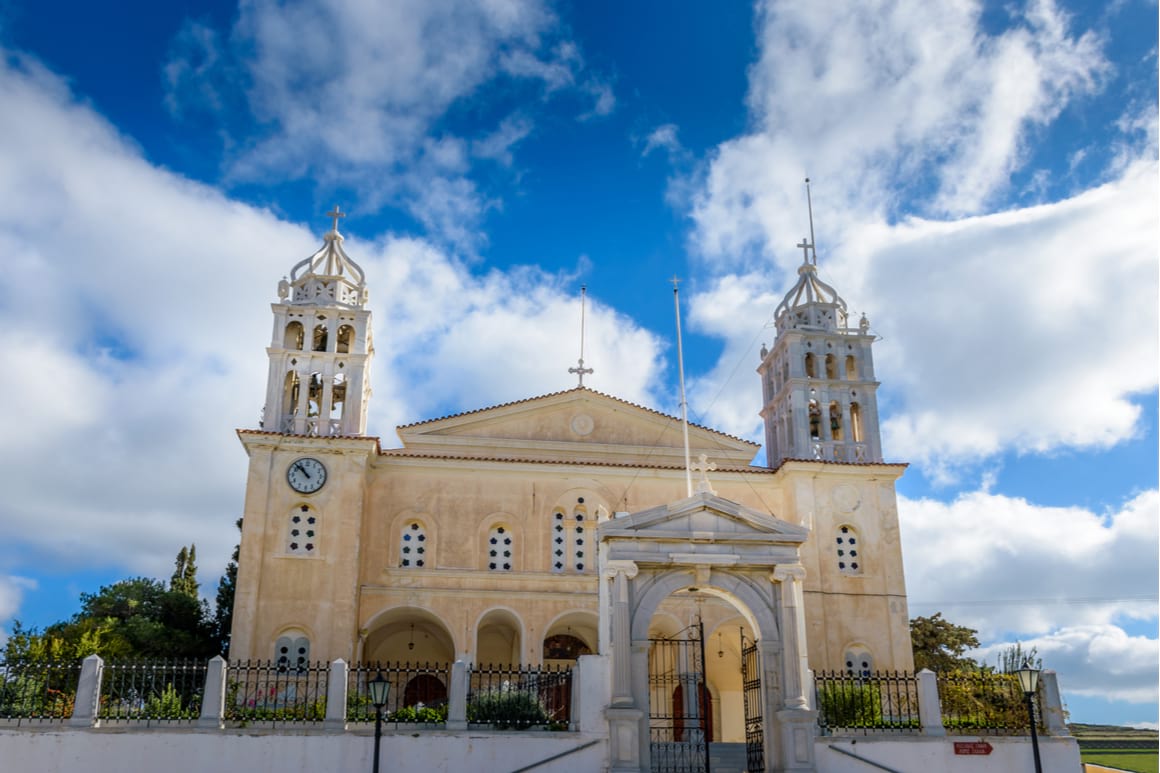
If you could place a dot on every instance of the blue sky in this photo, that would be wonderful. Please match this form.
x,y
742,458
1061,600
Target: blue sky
x,y
984,186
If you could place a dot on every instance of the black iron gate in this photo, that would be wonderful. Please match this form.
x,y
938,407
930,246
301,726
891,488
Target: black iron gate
x,y
751,685
680,726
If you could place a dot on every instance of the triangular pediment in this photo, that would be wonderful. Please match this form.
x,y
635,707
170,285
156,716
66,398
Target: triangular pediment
x,y
703,529
577,425
704,515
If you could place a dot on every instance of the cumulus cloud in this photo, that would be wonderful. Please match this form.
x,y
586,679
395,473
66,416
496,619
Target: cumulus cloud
x,y
1101,661
1063,579
1003,328
137,332
363,96
877,101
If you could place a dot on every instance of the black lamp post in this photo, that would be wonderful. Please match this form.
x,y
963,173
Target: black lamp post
x,y
1029,681
380,688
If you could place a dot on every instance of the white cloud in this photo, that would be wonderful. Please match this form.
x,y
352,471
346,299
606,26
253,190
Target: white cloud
x,y
12,588
664,137
1100,661
871,103
136,340
1062,579
350,95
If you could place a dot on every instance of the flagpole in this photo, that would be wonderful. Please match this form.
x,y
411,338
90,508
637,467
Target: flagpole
x,y
684,402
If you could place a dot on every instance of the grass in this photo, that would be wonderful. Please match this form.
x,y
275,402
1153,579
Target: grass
x,y
1124,759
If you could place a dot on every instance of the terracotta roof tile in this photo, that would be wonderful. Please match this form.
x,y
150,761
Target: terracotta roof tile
x,y
567,391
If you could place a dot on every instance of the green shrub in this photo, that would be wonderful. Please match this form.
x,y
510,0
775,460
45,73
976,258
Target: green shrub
x,y
506,710
850,704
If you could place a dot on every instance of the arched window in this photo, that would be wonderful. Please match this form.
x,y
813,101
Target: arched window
x,y
831,367
579,543
859,662
345,339
811,371
413,546
559,542
290,394
320,337
851,368
302,533
565,646
292,652
500,549
847,545
815,420
836,421
338,397
856,422
293,337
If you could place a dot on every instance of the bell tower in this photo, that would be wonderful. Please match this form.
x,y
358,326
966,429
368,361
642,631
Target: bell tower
x,y
818,387
321,349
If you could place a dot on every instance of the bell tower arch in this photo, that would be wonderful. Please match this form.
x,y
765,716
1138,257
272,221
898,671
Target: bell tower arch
x,y
321,349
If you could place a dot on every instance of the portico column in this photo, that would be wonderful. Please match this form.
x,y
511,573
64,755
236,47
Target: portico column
x,y
623,715
796,723
793,625
620,572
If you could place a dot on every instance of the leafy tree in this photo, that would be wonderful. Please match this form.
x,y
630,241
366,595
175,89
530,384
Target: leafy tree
x,y
184,579
223,618
939,644
1011,658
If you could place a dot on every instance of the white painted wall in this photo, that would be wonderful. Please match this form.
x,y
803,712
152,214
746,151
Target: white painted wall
x,y
192,751
937,755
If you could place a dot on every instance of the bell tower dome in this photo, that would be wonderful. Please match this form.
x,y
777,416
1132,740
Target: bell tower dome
x,y
321,350
817,383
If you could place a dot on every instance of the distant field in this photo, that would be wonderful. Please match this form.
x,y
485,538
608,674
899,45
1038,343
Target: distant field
x,y
1125,748
1125,759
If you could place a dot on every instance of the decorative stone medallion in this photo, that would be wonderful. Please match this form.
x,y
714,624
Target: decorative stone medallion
x,y
582,424
846,498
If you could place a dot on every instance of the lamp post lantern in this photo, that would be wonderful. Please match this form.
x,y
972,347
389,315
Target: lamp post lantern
x,y
379,688
1029,681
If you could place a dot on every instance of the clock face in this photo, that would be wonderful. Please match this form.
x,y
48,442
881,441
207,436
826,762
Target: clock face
x,y
306,475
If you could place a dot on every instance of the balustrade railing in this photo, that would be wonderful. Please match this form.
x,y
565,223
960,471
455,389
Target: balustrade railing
x,y
990,702
268,691
38,691
152,691
519,697
880,701
418,692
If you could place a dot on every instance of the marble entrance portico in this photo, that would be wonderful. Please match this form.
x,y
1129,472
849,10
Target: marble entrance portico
x,y
719,548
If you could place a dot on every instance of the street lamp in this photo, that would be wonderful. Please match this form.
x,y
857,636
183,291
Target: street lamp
x,y
1029,681
380,688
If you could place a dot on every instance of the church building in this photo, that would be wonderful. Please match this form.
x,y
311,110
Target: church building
x,y
565,524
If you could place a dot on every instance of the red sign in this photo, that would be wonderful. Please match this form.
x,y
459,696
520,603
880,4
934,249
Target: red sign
x,y
972,747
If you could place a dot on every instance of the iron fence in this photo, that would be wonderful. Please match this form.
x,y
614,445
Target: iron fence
x,y
514,697
972,702
152,691
38,691
269,691
418,692
883,701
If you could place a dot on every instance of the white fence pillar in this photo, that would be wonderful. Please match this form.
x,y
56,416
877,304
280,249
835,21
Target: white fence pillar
x,y
929,708
1053,717
591,692
457,697
336,685
213,699
88,689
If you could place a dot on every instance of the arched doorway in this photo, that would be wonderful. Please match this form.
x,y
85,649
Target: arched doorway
x,y
498,639
697,706
707,561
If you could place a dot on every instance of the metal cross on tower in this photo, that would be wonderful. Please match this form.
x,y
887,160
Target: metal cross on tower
x,y
580,370
336,213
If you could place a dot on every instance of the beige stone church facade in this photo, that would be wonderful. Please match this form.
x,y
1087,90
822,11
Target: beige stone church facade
x,y
512,534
